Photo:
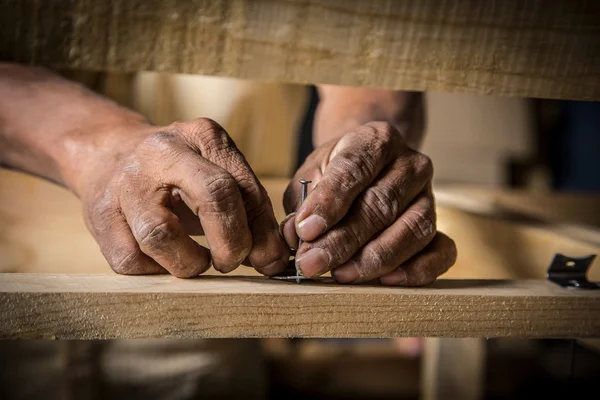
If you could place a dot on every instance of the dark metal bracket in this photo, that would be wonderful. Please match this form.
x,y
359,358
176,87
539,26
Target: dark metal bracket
x,y
571,272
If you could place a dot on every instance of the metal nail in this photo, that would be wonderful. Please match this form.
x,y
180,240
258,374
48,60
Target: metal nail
x,y
304,184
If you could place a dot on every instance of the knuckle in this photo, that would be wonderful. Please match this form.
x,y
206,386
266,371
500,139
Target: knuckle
x,y
327,199
421,224
249,186
421,276
376,262
186,271
385,135
329,205
155,233
380,206
157,148
423,166
221,195
342,242
126,264
207,125
257,208
255,198
352,167
451,251
383,130
235,163
209,134
160,142
198,127
102,212
234,252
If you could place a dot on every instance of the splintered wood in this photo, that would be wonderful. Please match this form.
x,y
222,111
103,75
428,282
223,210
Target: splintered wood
x,y
530,48
110,306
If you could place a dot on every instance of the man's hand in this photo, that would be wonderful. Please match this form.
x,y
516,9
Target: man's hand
x,y
370,213
144,188
138,193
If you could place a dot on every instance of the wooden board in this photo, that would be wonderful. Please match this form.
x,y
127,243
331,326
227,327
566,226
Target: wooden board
x,y
533,48
111,306
572,208
499,235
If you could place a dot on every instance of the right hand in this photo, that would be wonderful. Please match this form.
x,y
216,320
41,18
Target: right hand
x,y
151,187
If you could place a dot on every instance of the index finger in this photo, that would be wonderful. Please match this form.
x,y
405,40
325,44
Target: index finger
x,y
268,254
355,162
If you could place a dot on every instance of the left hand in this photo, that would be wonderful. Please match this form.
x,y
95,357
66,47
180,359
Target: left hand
x,y
370,214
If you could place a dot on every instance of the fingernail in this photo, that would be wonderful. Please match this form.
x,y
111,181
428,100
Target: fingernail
x,y
398,277
311,227
288,232
272,269
346,274
282,223
313,262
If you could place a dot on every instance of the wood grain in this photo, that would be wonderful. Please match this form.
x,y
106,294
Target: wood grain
x,y
534,48
110,306
570,208
499,239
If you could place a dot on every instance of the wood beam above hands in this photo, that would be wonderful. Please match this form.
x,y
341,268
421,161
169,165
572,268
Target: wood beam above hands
x,y
530,48
111,306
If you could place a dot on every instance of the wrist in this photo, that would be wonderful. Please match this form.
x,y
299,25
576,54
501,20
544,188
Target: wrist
x,y
57,129
342,109
336,117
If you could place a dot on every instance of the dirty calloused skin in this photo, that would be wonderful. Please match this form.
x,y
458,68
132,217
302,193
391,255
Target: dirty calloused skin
x,y
370,213
144,188
186,178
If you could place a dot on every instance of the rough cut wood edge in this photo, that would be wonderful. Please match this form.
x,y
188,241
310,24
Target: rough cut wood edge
x,y
532,48
110,306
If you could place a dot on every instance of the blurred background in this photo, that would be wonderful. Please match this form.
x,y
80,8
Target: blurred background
x,y
485,150
473,139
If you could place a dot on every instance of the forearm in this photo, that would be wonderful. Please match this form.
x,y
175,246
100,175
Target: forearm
x,y
50,126
342,109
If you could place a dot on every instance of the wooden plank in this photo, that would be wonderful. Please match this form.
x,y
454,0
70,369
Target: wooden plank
x,y
497,240
534,48
573,208
110,306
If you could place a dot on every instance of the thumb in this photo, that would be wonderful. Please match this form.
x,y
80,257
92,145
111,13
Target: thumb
x,y
292,197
